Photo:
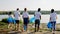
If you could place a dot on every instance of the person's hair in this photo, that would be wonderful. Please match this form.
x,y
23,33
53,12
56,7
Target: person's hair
x,y
52,10
25,9
17,9
39,9
10,13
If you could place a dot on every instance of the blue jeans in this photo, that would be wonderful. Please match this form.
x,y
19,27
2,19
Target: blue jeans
x,y
53,25
25,27
26,21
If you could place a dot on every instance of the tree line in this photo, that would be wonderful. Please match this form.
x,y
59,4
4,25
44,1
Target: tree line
x,y
30,12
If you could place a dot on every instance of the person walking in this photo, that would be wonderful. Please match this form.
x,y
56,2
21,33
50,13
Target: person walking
x,y
25,16
53,17
17,19
37,19
10,20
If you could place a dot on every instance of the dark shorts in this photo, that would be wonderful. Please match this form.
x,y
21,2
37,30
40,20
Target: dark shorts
x,y
37,21
17,21
26,21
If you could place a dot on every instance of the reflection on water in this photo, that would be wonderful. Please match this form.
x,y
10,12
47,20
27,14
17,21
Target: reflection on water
x,y
44,19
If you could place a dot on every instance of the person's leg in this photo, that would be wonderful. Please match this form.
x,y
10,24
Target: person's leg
x,y
27,21
8,25
54,23
26,27
18,25
24,24
35,25
13,26
38,25
53,27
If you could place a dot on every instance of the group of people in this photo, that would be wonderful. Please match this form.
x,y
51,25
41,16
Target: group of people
x,y
37,15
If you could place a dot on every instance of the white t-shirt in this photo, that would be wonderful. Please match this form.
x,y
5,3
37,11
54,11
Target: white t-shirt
x,y
53,16
25,15
17,15
37,15
10,16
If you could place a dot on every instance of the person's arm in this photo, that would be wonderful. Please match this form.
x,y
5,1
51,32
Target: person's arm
x,y
56,16
14,14
28,15
28,18
19,13
40,17
50,18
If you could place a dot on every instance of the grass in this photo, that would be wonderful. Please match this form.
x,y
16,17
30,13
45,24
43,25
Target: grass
x,y
3,27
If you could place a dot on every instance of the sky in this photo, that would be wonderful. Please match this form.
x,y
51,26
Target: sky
x,y
29,4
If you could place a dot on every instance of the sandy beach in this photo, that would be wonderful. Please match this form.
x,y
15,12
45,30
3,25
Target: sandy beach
x,y
43,30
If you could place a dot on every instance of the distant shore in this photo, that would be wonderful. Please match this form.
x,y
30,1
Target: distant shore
x,y
30,12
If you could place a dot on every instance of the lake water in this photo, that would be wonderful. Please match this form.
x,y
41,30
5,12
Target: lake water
x,y
44,18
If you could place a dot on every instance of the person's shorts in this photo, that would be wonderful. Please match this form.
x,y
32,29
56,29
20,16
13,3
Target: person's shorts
x,y
17,21
37,21
26,21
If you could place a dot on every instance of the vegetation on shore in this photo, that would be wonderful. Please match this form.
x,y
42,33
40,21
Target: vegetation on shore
x,y
30,12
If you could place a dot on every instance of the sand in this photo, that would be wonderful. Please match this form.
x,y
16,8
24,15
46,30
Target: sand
x,y
43,30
